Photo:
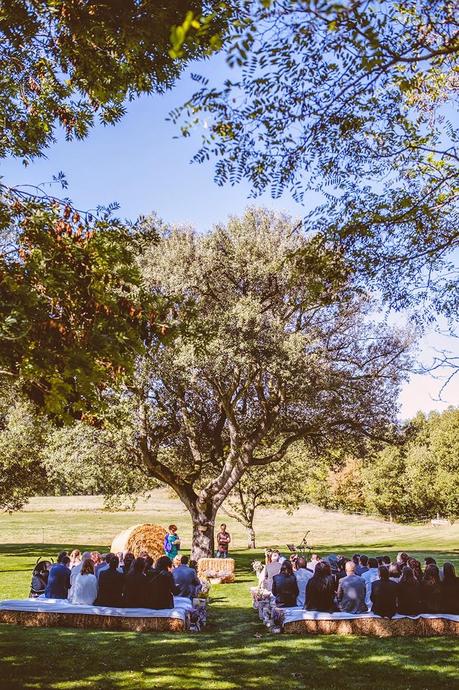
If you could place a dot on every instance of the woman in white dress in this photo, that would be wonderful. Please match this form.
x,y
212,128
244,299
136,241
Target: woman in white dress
x,y
84,590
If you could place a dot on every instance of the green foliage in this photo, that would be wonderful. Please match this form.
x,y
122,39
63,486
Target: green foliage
x,y
278,486
73,315
22,434
65,63
356,100
81,459
267,353
417,478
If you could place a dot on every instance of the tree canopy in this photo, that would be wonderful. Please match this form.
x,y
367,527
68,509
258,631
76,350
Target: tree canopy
x,y
414,478
73,315
67,62
355,100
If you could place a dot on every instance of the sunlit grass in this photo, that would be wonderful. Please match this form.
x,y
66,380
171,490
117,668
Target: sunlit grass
x,y
235,650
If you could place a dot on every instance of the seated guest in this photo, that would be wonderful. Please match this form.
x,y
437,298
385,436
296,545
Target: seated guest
x,y
302,575
362,566
149,569
341,572
370,576
111,585
129,559
76,570
386,560
402,559
315,559
103,565
96,558
431,591
285,587
394,572
185,579
450,589
416,568
161,587
351,591
84,591
320,589
75,558
384,595
409,593
135,595
270,570
58,584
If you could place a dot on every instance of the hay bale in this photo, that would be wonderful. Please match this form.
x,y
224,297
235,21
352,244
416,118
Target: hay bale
x,y
149,538
220,568
377,627
45,619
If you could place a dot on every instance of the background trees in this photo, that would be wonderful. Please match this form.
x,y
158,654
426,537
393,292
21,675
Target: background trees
x,y
281,486
416,478
269,352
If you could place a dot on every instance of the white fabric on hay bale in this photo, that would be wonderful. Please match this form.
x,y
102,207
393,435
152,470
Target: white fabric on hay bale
x,y
316,622
41,605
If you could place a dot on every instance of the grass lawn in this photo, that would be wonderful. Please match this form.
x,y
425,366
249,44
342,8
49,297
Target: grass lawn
x,y
235,651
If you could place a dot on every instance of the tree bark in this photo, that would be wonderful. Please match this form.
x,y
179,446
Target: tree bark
x,y
202,544
251,538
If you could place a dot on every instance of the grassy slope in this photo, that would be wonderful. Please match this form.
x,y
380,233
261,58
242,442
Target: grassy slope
x,y
235,651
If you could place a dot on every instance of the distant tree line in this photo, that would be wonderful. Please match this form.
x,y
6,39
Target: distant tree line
x,y
416,478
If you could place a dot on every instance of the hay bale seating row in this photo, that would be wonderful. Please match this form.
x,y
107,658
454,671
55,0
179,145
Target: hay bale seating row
x,y
299,621
52,613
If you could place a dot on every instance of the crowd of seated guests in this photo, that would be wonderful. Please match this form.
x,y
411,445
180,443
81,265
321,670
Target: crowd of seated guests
x,y
362,584
121,580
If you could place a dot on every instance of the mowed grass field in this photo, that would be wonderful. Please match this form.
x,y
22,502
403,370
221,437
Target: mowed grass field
x,y
235,650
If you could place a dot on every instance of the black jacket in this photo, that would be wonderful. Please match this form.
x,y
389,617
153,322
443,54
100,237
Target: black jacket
x,y
409,598
450,596
111,585
431,596
320,594
160,590
384,598
285,589
135,594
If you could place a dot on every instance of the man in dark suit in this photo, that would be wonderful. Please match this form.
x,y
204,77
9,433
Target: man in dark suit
x,y
185,579
111,584
58,584
384,594
351,591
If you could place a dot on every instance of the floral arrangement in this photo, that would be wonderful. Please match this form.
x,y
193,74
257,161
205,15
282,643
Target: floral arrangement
x,y
198,617
205,589
257,567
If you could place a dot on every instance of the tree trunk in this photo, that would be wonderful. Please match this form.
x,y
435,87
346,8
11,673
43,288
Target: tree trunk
x,y
202,545
251,538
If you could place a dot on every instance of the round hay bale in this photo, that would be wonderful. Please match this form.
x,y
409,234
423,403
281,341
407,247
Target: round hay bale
x,y
149,538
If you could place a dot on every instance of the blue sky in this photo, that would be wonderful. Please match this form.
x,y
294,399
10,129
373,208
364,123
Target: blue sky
x,y
141,165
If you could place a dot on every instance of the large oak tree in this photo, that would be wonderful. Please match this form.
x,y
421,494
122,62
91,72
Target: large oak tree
x,y
269,353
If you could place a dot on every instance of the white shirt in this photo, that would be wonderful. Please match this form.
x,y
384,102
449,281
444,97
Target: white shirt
x,y
369,577
84,591
302,578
